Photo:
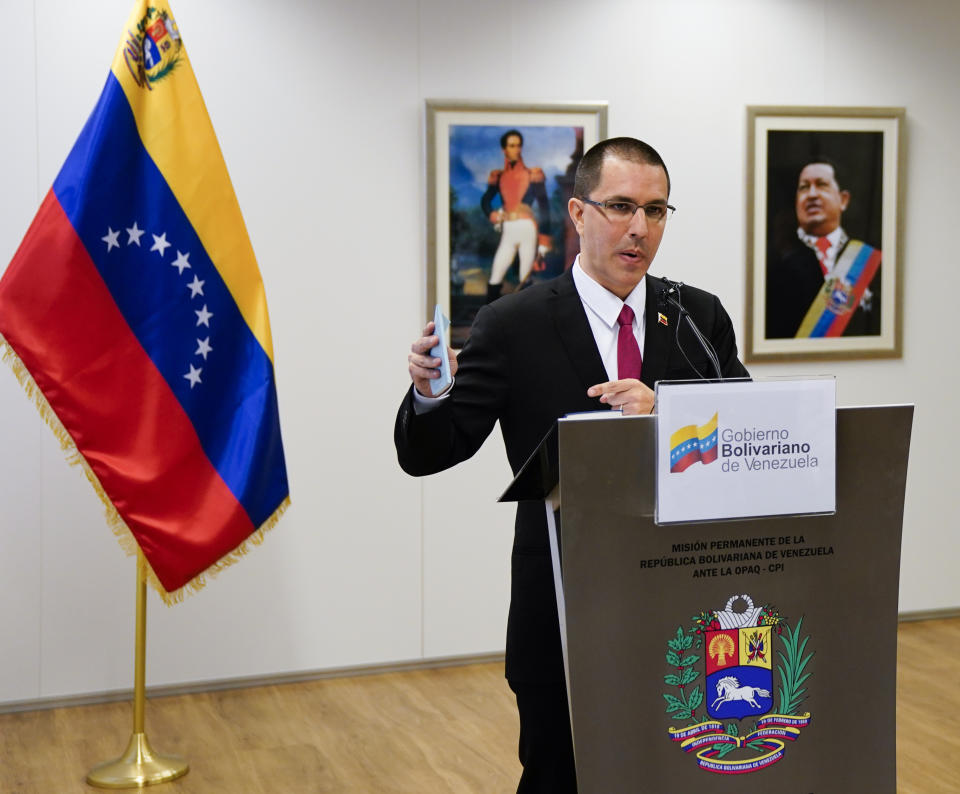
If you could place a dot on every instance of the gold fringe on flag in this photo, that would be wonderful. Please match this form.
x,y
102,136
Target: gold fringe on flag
x,y
199,581
116,523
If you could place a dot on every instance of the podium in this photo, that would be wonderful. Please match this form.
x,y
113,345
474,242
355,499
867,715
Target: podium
x,y
654,617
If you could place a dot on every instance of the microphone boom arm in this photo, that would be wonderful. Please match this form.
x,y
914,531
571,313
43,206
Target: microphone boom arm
x,y
667,296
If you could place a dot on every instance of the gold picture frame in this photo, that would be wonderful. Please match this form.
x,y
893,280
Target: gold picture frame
x,y
844,302
465,155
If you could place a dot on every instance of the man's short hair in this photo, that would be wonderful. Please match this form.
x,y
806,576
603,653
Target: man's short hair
x,y
591,164
506,136
838,173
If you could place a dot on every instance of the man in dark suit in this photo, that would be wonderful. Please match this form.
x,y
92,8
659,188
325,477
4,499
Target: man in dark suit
x,y
820,282
562,346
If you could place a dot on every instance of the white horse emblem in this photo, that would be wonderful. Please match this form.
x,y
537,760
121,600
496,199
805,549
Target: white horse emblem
x,y
729,689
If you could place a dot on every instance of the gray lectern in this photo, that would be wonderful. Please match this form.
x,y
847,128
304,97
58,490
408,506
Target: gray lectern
x,y
717,657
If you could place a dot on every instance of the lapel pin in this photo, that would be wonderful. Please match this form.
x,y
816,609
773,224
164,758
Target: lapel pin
x,y
662,318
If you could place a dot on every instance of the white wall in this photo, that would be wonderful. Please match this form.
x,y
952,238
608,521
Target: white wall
x,y
319,108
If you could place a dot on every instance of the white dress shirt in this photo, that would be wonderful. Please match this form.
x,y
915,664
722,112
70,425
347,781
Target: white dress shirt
x,y
603,309
838,238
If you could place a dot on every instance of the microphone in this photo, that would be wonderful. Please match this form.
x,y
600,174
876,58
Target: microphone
x,y
671,295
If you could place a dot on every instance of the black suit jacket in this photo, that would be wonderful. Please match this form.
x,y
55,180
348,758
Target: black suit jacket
x,y
530,359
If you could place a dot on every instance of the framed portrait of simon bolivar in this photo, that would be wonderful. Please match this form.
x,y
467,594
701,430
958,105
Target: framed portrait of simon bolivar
x,y
824,233
498,180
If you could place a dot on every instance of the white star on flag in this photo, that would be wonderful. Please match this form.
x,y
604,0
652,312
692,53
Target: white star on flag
x,y
203,316
181,262
193,375
203,347
135,234
160,243
195,286
110,238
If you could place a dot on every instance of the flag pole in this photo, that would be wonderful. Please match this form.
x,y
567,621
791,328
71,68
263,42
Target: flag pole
x,y
139,765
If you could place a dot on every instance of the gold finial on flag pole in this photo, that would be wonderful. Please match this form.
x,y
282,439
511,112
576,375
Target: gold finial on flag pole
x,y
139,765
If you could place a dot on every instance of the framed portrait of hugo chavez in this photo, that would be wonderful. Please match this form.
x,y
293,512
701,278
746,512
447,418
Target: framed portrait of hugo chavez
x,y
499,177
824,233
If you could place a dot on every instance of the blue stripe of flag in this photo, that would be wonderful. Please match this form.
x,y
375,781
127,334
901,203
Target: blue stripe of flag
x,y
859,263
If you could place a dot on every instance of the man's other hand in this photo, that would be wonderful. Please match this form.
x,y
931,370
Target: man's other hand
x,y
425,367
629,394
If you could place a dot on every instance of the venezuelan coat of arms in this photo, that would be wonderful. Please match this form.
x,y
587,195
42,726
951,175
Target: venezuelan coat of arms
x,y
737,719
153,50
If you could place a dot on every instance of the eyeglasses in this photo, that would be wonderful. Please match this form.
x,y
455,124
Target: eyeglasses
x,y
621,210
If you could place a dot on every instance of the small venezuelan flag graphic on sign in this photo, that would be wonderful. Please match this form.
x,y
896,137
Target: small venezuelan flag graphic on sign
x,y
691,443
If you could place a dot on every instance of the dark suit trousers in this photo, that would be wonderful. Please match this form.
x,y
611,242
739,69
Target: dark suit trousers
x,y
546,748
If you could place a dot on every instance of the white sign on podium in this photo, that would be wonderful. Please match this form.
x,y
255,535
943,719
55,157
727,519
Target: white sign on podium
x,y
745,448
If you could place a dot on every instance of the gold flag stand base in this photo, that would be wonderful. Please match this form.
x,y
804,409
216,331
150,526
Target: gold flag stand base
x,y
138,766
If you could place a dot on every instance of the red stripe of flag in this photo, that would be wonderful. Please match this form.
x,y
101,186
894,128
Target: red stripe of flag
x,y
686,461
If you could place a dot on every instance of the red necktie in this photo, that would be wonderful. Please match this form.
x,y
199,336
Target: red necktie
x,y
823,245
629,360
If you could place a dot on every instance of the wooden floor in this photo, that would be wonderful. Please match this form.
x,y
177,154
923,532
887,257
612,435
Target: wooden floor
x,y
445,730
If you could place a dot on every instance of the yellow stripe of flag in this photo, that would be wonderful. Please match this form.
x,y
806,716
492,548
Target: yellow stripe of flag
x,y
705,430
683,434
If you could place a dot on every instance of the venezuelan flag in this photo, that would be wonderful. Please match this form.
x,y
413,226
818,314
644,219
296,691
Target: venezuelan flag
x,y
691,443
134,313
